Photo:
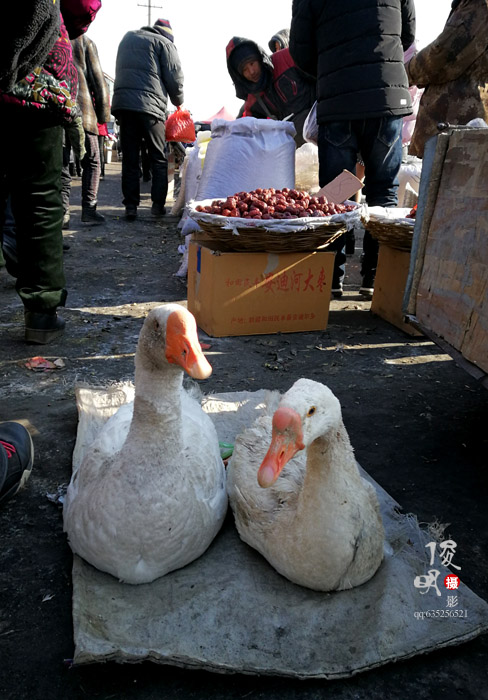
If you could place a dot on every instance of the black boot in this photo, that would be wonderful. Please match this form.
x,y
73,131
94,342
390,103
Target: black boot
x,y
42,328
89,215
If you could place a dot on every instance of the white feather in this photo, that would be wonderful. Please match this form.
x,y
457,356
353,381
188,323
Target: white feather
x,y
149,496
319,524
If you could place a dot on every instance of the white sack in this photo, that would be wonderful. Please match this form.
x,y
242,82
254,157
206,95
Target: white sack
x,y
248,153
196,161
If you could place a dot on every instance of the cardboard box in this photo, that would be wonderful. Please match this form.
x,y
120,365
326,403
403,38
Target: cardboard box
x,y
257,293
389,287
342,187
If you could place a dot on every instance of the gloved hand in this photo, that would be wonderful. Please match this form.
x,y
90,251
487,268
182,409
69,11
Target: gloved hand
x,y
76,135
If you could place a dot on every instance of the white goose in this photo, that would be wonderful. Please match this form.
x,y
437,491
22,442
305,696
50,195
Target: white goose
x,y
149,497
317,522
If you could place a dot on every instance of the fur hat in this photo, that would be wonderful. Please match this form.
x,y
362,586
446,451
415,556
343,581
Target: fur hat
x,y
164,27
242,54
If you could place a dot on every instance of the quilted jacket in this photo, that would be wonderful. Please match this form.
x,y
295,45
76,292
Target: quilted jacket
x,y
453,69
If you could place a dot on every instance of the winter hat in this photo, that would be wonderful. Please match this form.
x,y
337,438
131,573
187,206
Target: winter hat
x,y
242,54
164,27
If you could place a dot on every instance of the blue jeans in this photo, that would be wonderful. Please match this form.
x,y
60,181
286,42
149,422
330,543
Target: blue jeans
x,y
379,142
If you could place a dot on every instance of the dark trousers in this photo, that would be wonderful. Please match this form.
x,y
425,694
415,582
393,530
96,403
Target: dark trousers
x,y
135,126
101,151
379,142
30,171
90,175
65,173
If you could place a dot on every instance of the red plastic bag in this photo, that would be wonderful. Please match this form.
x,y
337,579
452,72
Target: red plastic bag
x,y
180,127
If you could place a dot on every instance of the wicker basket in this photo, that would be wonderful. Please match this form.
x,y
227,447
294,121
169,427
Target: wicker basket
x,y
257,239
395,234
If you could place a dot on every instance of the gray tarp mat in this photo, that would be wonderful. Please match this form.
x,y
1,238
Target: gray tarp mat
x,y
230,612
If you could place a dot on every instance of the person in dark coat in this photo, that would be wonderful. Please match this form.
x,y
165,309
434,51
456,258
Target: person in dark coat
x,y
356,51
272,86
94,102
147,73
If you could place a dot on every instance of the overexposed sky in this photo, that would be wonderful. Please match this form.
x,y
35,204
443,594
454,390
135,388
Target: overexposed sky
x,y
202,30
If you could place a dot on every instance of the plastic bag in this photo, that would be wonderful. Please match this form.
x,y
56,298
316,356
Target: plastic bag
x,y
180,127
310,126
307,168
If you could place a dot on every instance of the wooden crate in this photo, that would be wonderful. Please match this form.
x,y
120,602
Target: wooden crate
x,y
389,287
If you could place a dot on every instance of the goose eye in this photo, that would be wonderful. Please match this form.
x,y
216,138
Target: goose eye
x,y
156,325
311,411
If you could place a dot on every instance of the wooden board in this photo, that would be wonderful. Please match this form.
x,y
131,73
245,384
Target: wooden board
x,y
452,272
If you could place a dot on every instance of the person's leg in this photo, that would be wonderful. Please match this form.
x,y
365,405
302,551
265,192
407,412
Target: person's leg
x,y
101,151
337,151
381,150
66,179
37,207
90,181
130,141
145,162
156,145
9,241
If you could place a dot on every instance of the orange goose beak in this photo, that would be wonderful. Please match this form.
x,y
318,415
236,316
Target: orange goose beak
x,y
183,347
286,441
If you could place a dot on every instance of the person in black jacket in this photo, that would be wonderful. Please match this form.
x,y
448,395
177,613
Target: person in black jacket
x,y
147,72
356,51
272,86
279,41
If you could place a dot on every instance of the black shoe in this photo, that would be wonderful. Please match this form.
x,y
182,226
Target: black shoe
x,y
131,213
66,246
66,221
42,328
16,458
158,209
89,215
337,291
367,287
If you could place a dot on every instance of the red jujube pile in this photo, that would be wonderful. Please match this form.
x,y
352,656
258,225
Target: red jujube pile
x,y
274,204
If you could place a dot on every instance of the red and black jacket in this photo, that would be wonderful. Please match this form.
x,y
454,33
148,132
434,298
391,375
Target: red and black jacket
x,y
287,89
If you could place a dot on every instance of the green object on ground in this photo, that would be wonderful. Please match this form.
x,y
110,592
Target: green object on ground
x,y
226,449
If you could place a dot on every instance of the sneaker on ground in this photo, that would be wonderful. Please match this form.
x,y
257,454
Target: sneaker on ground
x,y
337,292
131,213
16,458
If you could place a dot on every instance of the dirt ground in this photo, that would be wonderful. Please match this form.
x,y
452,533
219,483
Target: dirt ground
x,y
416,420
